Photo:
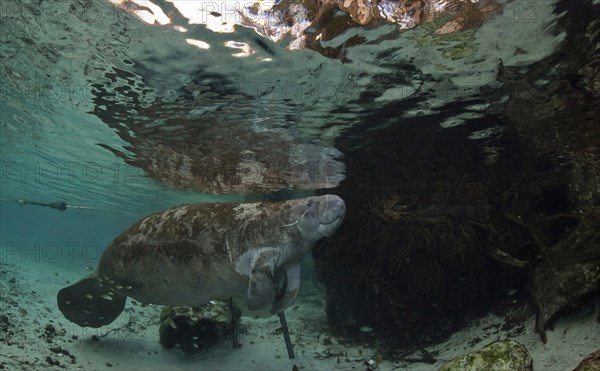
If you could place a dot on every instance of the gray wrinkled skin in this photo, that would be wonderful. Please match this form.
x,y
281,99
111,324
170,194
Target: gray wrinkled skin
x,y
191,254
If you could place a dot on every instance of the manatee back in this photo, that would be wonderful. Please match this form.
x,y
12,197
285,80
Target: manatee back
x,y
191,245
210,235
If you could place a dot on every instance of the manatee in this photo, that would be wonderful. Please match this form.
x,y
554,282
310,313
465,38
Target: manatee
x,y
192,254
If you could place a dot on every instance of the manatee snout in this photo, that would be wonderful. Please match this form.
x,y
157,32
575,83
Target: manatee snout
x,y
332,210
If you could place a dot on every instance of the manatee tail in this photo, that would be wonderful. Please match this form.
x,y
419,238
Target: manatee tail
x,y
90,304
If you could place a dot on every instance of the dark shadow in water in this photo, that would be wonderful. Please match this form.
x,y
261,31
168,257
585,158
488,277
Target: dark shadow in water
x,y
441,227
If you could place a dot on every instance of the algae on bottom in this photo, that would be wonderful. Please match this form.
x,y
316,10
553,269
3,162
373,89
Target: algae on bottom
x,y
500,355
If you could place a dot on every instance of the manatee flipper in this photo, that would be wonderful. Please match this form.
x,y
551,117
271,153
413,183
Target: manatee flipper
x,y
289,292
261,289
90,304
262,285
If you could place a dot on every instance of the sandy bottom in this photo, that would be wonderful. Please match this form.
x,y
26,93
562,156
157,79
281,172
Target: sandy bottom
x,y
34,335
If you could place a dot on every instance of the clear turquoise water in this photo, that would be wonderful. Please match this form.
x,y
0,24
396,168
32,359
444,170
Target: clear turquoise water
x,y
56,84
88,91
87,95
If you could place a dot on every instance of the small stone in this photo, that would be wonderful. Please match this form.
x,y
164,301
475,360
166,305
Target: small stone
x,y
12,280
52,361
108,364
49,330
59,350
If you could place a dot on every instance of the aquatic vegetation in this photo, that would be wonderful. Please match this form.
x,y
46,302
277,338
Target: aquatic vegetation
x,y
500,355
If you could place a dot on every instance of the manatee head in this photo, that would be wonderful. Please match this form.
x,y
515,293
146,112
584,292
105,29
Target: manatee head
x,y
319,216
